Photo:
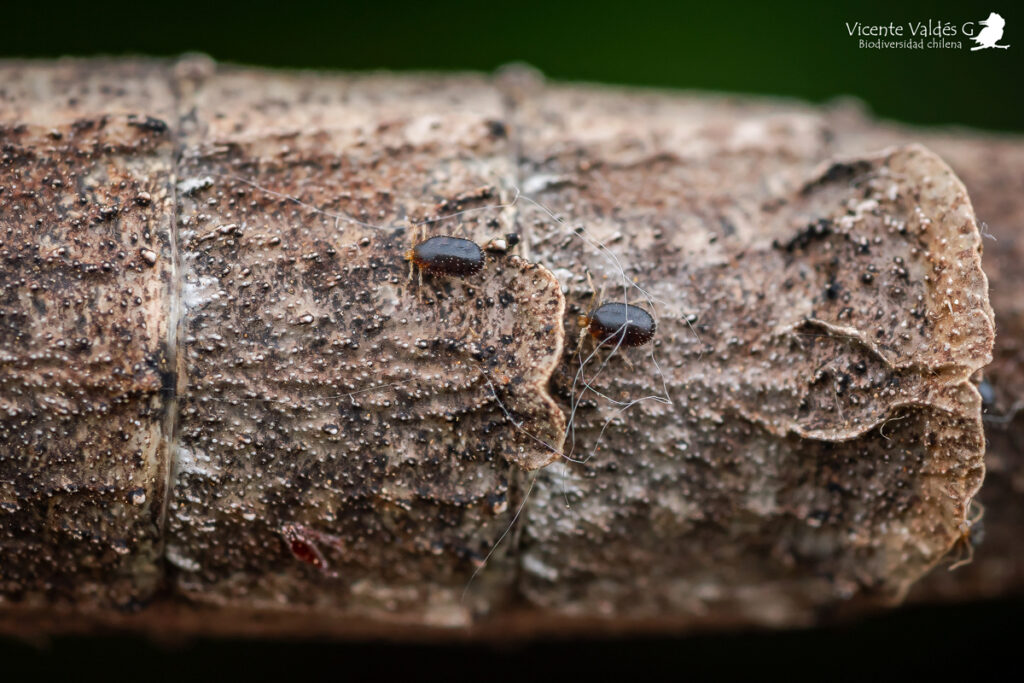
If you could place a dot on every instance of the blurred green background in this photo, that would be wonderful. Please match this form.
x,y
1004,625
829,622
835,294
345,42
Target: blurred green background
x,y
799,49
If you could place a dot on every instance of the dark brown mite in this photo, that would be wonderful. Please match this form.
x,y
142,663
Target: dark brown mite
x,y
444,255
616,324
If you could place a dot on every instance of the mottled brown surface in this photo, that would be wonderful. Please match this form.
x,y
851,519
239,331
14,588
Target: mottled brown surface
x,y
85,270
992,168
823,437
347,439
331,398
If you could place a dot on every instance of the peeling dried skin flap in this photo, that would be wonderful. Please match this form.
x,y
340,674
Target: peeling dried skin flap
x,y
944,337
520,375
824,416
992,169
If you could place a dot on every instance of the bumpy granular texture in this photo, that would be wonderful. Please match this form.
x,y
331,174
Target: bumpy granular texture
x,y
992,168
818,327
313,439
85,277
327,390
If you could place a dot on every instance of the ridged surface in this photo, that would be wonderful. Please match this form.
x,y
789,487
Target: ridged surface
x,y
349,439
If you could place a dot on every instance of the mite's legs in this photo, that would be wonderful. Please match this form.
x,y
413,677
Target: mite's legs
x,y
975,514
583,337
584,321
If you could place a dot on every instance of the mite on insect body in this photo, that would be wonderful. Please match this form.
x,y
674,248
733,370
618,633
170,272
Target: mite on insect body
x,y
443,255
617,324
621,325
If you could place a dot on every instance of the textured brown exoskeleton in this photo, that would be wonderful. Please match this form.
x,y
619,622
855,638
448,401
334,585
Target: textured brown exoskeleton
x,y
223,397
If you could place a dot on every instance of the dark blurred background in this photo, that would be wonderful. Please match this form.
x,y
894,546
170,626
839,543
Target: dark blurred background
x,y
800,50
795,49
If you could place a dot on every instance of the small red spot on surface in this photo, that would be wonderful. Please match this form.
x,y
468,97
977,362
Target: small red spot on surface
x,y
305,552
303,547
